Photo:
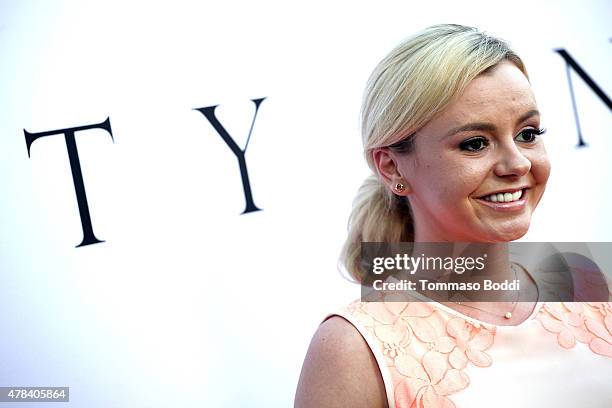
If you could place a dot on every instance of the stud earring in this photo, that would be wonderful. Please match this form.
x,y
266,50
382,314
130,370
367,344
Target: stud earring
x,y
399,187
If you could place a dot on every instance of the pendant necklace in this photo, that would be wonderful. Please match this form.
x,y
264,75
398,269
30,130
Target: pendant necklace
x,y
508,314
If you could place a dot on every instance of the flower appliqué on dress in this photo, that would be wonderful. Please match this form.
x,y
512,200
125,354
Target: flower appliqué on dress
x,y
426,348
588,323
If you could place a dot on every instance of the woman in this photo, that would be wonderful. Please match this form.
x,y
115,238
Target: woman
x,y
452,132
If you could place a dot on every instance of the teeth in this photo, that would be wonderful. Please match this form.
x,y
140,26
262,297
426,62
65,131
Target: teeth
x,y
504,197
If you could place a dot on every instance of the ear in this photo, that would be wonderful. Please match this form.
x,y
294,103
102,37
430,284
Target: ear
x,y
386,165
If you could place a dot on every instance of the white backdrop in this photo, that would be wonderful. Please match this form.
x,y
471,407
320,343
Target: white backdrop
x,y
188,303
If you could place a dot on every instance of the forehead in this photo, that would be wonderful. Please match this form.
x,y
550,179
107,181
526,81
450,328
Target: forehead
x,y
499,97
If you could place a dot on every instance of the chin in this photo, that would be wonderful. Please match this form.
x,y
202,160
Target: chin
x,y
510,234
506,230
496,232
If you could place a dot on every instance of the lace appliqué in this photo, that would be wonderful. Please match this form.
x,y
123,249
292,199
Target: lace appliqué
x,y
588,323
425,348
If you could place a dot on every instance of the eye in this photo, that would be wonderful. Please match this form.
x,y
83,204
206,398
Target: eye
x,y
530,135
474,144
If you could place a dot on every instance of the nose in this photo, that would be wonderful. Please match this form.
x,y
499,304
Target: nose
x,y
512,162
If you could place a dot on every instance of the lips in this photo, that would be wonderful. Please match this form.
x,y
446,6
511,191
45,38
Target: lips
x,y
505,200
505,196
510,190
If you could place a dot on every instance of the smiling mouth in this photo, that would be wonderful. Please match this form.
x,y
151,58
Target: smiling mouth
x,y
504,197
511,200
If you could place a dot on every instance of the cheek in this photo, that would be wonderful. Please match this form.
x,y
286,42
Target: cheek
x,y
462,183
540,166
450,182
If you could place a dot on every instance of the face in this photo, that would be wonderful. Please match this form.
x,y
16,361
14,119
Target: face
x,y
479,169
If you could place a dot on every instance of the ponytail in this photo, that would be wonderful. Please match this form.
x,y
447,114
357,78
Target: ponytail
x,y
377,216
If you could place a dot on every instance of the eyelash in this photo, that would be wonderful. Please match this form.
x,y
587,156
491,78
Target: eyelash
x,y
535,133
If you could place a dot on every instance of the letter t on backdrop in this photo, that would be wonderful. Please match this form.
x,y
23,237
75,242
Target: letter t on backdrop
x,y
75,166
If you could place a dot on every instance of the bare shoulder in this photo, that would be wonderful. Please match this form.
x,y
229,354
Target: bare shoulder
x,y
339,370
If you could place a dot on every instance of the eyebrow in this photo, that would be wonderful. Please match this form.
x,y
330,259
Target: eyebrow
x,y
487,127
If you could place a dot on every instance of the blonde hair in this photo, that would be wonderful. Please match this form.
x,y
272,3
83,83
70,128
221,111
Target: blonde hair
x,y
413,83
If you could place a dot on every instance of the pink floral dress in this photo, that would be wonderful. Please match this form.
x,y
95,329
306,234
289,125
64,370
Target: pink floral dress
x,y
431,356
